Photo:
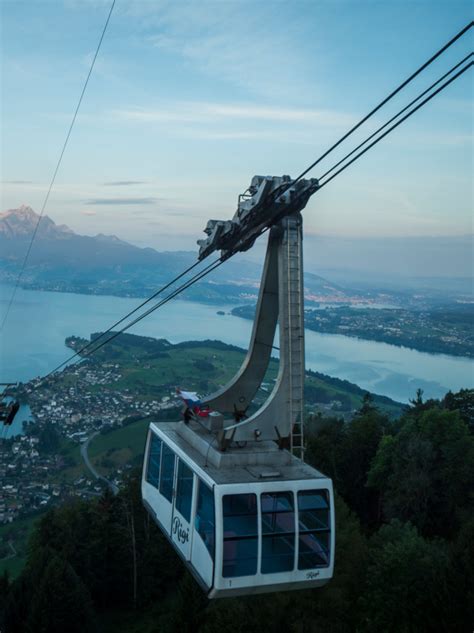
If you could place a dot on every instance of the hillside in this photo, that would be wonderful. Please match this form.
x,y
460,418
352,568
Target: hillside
x,y
146,364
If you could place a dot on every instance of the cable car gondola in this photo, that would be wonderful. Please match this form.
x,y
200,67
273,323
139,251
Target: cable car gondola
x,y
8,410
232,492
240,529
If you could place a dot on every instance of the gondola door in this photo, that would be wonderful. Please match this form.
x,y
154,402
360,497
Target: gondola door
x,y
204,533
182,509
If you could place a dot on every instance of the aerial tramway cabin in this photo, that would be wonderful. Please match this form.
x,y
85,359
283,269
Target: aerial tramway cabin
x,y
229,488
240,529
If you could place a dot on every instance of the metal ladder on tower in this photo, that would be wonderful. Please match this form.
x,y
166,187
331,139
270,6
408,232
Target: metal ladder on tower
x,y
295,333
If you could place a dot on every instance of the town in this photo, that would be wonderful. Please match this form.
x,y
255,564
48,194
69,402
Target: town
x,y
66,410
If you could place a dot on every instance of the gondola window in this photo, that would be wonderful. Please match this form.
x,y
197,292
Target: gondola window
x,y
153,471
205,516
314,529
184,490
278,532
167,472
240,535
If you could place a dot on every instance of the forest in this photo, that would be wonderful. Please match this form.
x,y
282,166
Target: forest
x,y
404,535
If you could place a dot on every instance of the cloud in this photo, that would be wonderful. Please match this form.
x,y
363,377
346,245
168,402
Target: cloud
x,y
186,112
120,201
88,213
237,121
123,183
17,182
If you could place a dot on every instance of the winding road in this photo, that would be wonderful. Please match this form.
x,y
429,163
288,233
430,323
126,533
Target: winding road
x,y
90,466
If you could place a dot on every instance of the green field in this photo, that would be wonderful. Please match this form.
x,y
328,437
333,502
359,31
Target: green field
x,y
202,369
75,466
119,447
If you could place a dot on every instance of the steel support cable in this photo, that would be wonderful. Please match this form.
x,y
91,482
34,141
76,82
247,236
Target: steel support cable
x,y
382,127
153,296
390,129
220,260
278,218
58,164
377,107
177,291
421,104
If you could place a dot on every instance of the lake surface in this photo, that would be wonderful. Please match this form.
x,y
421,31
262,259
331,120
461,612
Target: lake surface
x,y
32,342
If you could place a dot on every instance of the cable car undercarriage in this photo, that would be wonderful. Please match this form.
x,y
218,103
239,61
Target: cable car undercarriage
x,y
232,493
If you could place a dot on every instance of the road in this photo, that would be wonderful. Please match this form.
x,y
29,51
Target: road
x,y
87,462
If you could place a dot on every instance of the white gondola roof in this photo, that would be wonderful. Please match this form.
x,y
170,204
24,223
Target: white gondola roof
x,y
294,470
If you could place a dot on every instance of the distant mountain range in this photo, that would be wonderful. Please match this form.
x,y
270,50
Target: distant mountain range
x,y
104,264
58,245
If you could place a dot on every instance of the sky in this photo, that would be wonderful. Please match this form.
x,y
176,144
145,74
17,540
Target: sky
x,y
189,99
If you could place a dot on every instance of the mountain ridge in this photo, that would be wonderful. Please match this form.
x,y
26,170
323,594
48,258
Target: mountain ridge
x,y
62,260
22,222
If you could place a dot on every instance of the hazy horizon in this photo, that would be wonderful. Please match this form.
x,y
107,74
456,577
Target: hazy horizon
x,y
373,257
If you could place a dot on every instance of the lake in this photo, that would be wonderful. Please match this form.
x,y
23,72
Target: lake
x,y
32,342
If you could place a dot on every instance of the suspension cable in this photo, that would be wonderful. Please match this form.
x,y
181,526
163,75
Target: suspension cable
x,y
215,264
153,296
396,115
218,262
390,129
278,217
209,268
58,164
380,105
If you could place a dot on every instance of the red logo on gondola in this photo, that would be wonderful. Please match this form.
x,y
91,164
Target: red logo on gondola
x,y
181,533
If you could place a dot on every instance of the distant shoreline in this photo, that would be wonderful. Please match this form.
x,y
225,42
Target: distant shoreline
x,y
433,348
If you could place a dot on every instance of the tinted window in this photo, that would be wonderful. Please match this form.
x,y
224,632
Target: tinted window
x,y
278,532
153,469
240,535
314,526
167,472
184,490
205,520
